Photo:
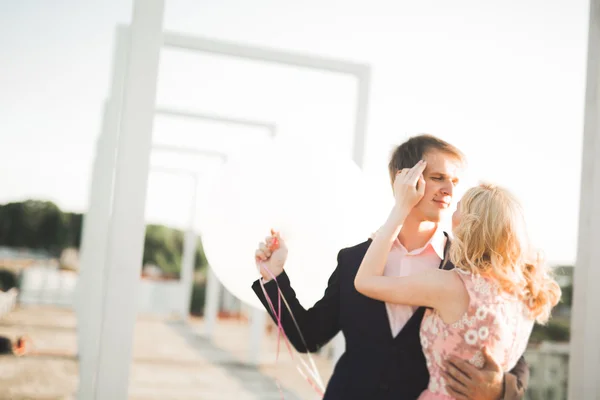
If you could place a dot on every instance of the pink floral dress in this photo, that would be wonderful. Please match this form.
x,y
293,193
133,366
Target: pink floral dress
x,y
493,319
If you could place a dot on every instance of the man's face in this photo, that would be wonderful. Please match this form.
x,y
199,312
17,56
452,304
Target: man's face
x,y
441,175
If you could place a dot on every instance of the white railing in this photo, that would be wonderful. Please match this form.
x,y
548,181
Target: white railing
x,y
42,285
549,371
47,285
8,300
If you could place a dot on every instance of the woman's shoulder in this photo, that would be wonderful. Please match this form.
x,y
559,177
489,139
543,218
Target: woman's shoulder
x,y
477,283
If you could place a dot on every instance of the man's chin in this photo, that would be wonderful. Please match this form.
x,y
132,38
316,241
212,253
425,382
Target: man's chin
x,y
437,216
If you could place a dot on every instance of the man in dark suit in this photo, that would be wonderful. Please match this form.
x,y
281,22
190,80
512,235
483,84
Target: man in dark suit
x,y
383,359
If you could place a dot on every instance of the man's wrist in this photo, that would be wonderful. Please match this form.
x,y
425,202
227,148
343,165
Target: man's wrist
x,y
502,386
268,277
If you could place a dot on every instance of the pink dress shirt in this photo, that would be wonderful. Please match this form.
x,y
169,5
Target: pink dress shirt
x,y
401,262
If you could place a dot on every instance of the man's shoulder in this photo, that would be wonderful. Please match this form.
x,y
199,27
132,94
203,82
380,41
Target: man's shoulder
x,y
357,250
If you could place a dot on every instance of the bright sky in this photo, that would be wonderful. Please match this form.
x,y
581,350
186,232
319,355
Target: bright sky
x,y
503,80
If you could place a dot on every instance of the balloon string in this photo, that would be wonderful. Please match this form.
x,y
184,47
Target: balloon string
x,y
313,377
314,370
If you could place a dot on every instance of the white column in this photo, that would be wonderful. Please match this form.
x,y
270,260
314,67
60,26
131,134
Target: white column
x,y
189,256
187,270
58,298
43,296
360,120
127,226
228,301
211,304
358,155
90,284
584,363
257,330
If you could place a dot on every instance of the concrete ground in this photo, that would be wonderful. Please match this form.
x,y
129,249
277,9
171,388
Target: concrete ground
x,y
171,361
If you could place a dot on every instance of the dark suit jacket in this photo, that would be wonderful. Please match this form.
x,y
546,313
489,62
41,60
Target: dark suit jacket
x,y
375,365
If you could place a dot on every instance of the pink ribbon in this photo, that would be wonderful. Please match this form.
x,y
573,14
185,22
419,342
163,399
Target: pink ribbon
x,y
311,375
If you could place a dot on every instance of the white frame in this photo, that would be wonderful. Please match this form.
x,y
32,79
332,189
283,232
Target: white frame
x,y
213,286
190,235
100,201
361,71
132,117
584,357
186,275
190,238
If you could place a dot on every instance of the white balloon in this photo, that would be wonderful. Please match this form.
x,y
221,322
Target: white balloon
x,y
318,199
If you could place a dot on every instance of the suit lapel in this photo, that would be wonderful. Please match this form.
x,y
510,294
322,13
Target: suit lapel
x,y
380,308
377,307
445,263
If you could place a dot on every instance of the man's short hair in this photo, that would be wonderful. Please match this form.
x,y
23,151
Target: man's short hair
x,y
412,151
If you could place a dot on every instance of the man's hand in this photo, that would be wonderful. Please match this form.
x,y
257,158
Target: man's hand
x,y
271,254
465,382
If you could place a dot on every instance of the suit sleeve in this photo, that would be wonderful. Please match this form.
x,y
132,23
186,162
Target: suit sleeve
x,y
516,381
318,324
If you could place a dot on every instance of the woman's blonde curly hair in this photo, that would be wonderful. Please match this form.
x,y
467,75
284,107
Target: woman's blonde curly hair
x,y
491,240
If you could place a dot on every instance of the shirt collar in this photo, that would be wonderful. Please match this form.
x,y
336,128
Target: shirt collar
x,y
437,243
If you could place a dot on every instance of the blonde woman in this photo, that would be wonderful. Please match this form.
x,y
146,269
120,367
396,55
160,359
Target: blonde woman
x,y
487,297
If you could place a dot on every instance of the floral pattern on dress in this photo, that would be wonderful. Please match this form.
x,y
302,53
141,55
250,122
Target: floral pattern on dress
x,y
493,320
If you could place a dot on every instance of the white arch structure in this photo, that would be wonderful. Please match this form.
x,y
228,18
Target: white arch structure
x,y
190,237
117,225
90,316
134,113
584,360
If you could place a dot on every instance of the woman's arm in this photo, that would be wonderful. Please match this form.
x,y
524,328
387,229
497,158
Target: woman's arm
x,y
438,289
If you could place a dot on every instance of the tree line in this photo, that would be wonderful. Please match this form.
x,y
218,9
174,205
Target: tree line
x,y
42,225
